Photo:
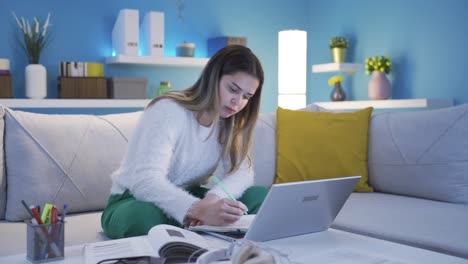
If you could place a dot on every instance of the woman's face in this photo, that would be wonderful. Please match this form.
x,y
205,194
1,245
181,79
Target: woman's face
x,y
235,90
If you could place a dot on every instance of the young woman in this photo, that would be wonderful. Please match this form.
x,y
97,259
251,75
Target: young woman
x,y
184,137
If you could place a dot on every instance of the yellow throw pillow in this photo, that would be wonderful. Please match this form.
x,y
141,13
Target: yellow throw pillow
x,y
322,145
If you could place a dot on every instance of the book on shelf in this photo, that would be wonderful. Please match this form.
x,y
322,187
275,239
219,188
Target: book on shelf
x,y
163,244
240,226
81,69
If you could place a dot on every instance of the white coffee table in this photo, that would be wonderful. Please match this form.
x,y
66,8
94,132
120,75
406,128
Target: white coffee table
x,y
331,246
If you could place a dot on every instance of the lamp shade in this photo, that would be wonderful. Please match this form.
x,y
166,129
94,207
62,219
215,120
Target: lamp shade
x,y
292,68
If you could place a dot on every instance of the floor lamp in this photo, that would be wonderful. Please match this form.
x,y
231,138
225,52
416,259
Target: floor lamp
x,y
292,68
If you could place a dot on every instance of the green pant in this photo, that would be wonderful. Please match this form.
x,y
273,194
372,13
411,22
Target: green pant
x,y
125,216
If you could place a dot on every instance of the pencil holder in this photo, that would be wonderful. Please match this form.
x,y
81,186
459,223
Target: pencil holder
x,y
45,242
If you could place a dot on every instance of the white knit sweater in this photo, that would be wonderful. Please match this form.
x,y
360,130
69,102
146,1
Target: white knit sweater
x,y
168,152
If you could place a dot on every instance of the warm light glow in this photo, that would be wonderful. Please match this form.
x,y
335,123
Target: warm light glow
x,y
292,68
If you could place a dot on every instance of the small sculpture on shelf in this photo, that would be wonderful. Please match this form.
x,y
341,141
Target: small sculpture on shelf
x,y
337,94
185,49
164,86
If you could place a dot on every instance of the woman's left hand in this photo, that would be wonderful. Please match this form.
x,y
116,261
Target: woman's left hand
x,y
192,222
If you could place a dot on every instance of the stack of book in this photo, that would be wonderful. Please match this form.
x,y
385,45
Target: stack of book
x,y
6,87
82,80
81,69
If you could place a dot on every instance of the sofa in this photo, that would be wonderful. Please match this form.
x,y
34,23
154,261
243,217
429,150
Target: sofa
x,y
417,165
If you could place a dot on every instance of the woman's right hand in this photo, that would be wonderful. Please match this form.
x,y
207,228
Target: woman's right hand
x,y
213,210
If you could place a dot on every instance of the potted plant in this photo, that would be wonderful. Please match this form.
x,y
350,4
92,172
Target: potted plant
x,y
338,47
33,40
382,64
379,86
337,94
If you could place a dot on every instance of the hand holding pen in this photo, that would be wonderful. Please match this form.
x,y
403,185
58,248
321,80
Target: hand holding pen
x,y
221,185
212,210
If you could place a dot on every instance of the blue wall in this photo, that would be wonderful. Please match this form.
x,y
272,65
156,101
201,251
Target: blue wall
x,y
426,40
82,32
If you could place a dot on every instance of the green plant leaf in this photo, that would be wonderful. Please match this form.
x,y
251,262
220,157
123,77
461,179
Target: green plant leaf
x,y
34,40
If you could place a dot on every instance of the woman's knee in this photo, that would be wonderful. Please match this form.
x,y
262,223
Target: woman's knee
x,y
253,198
257,192
132,218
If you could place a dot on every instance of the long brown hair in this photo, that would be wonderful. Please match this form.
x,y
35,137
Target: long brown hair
x,y
203,96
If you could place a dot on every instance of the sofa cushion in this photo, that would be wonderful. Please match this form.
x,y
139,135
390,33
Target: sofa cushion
x,y
79,229
62,159
264,147
421,154
423,223
2,167
318,145
264,150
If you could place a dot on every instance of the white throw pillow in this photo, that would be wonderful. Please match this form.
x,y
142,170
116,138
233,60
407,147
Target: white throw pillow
x,y
422,154
62,159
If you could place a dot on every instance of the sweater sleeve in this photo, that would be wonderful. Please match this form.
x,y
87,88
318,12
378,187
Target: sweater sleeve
x,y
162,125
237,182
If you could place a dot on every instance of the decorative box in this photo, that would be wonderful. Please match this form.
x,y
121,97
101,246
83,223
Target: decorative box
x,y
6,87
82,87
126,32
127,87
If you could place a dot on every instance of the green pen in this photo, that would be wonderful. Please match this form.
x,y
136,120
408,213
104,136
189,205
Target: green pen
x,y
221,185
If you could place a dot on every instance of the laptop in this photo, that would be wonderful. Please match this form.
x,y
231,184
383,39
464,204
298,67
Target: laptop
x,y
297,208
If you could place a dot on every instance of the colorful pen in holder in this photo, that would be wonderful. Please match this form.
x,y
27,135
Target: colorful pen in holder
x,y
45,241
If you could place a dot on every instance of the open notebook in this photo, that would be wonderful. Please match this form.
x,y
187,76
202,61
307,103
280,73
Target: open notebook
x,y
240,226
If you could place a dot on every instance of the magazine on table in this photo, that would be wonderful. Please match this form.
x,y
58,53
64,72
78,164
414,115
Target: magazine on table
x,y
164,244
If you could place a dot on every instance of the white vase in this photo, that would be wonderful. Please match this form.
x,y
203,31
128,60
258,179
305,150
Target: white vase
x,y
36,81
379,86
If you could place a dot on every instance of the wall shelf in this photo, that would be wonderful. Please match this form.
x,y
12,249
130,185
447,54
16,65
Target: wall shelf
x,y
158,61
337,67
387,104
74,103
141,103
